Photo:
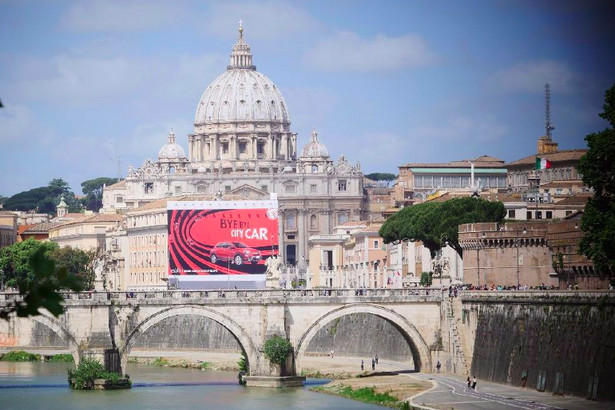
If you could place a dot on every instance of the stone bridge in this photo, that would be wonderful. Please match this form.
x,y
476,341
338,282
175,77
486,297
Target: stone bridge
x,y
95,322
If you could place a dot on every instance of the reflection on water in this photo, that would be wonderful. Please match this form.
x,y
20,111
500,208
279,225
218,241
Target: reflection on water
x,y
43,385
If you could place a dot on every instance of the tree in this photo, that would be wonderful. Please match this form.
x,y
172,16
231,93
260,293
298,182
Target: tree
x,y
15,260
598,169
426,279
78,263
436,224
381,176
40,286
277,349
93,189
44,199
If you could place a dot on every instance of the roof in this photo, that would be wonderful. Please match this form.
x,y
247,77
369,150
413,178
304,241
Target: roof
x,y
559,156
43,227
574,200
556,184
96,218
162,203
444,170
118,185
484,161
7,213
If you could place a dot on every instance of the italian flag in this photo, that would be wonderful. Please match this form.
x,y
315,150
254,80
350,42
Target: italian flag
x,y
542,163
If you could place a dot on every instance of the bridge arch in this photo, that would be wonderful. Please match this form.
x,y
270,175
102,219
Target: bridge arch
x,y
55,326
236,330
420,349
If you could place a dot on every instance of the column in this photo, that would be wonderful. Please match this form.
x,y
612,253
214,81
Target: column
x,y
301,229
190,147
281,237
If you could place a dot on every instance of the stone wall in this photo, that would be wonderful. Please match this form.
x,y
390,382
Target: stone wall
x,y
566,336
361,335
187,332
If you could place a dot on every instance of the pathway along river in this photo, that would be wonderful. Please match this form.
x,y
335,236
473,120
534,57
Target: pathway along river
x,y
44,386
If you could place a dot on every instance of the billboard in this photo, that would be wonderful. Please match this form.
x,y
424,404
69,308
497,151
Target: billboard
x,y
221,244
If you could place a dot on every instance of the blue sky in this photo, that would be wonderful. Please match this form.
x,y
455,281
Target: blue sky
x,y
384,82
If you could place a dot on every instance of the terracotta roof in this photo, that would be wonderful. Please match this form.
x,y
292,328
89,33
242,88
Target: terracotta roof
x,y
556,184
43,227
574,200
22,228
559,156
118,185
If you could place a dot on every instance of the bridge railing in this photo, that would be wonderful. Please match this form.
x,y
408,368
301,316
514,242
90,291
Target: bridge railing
x,y
235,294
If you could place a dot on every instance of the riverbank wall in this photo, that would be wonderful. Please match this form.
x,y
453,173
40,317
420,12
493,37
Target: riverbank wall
x,y
562,343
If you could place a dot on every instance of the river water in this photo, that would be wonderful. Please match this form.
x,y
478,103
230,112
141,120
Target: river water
x,y
36,385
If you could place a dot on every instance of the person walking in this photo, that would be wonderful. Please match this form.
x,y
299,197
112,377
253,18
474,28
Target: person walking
x,y
474,382
438,366
373,364
469,382
362,367
376,358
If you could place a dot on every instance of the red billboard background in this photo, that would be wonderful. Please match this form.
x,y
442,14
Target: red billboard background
x,y
221,241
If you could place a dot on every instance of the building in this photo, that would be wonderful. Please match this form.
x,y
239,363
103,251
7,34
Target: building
x,y
8,228
243,146
85,233
416,182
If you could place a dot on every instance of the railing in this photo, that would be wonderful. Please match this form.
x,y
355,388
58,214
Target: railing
x,y
240,295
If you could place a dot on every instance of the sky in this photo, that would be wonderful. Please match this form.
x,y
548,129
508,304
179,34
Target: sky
x,y
91,87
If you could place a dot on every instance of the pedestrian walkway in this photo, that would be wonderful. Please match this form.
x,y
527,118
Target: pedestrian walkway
x,y
452,392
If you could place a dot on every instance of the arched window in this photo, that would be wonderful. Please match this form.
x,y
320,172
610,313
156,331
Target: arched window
x,y
343,217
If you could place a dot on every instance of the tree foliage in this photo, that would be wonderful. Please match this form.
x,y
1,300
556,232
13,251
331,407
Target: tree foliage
x,y
277,349
381,176
435,223
93,189
426,279
598,169
30,267
44,199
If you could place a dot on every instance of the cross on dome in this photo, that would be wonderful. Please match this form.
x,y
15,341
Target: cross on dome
x,y
241,57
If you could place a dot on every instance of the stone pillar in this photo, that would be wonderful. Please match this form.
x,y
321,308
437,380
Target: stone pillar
x,y
191,147
301,225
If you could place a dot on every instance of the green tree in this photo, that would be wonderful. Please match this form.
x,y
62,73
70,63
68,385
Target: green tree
x,y
93,189
40,288
44,199
437,223
15,267
381,176
426,279
598,169
78,263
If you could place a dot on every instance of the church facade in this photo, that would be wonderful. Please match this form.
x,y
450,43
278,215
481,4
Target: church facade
x,y
243,146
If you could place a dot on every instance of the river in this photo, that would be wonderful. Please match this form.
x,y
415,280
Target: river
x,y
37,385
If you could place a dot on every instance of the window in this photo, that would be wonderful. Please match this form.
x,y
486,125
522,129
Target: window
x,y
290,221
171,170
242,147
313,222
178,190
260,147
314,168
225,147
312,188
119,199
227,188
289,188
149,188
549,215
511,213
264,188
341,185
343,217
529,214
376,243
538,214
568,213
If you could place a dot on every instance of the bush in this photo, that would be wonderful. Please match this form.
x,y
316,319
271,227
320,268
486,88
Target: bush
x,y
426,279
277,349
243,363
82,378
20,356
62,358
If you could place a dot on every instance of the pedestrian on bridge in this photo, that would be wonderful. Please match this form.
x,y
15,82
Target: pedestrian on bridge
x,y
474,382
438,366
362,367
373,364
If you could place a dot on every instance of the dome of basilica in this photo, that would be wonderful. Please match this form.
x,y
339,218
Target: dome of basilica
x,y
314,148
171,150
241,94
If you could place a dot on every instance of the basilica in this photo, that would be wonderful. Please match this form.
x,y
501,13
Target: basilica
x,y
243,147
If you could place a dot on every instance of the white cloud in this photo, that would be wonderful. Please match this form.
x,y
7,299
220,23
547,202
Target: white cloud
x,y
531,76
262,20
349,52
127,15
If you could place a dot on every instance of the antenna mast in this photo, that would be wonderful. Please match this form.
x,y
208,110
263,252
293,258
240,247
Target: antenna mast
x,y
548,126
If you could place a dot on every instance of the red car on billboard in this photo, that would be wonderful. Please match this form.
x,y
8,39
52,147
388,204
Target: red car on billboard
x,y
234,252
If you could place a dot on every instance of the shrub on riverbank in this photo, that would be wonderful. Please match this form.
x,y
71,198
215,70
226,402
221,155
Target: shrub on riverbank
x,y
82,378
277,349
365,395
62,358
20,356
